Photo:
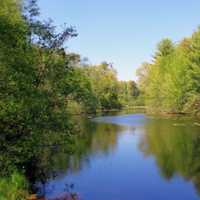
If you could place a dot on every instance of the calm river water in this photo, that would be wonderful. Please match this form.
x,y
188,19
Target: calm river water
x,y
131,156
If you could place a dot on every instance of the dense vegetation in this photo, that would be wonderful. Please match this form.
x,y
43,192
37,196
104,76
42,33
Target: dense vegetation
x,y
171,82
98,89
13,187
40,85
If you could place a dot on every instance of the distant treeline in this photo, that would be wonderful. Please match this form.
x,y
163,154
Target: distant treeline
x,y
98,89
171,82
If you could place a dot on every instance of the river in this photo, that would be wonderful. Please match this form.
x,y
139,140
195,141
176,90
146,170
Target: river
x,y
130,156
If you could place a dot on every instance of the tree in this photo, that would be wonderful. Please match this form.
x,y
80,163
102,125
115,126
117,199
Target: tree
x,y
164,48
104,84
171,82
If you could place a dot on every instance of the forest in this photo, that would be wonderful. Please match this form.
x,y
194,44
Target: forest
x,y
170,83
42,85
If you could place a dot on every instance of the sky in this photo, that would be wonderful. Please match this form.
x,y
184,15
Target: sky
x,y
122,32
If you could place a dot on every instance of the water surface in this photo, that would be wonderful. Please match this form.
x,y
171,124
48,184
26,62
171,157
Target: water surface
x,y
133,156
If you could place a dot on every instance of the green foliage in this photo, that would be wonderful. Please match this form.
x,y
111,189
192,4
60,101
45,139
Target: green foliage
x,y
171,82
33,87
98,89
128,93
104,83
164,48
13,187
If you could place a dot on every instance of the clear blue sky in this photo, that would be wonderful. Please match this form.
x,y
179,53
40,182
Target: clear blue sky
x,y
124,32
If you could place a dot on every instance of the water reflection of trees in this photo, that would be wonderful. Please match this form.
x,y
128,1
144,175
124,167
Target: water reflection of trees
x,y
53,154
175,146
96,139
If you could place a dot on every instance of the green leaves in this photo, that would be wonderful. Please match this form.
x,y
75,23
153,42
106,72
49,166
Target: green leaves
x,y
13,187
169,81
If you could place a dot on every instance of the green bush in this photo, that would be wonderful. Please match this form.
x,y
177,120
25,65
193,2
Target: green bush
x,y
13,187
